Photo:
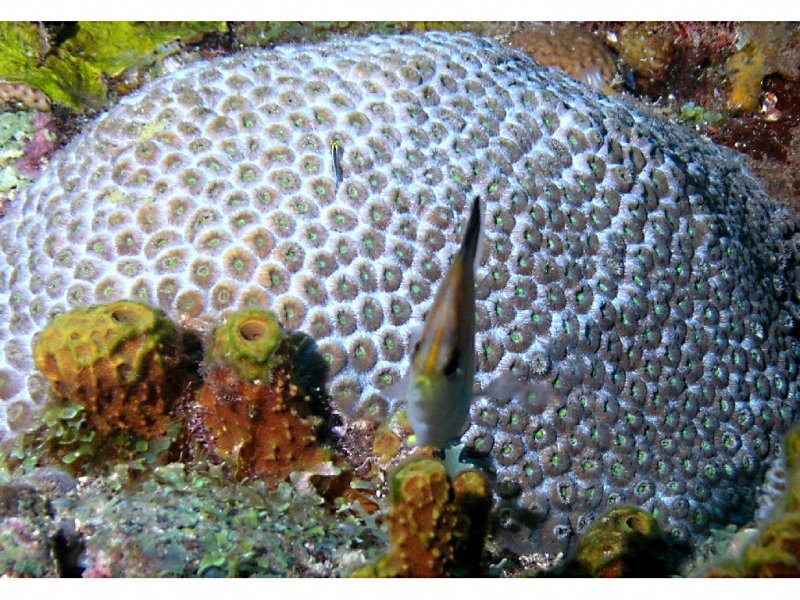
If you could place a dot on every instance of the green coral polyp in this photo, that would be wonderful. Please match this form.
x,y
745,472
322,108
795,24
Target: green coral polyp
x,y
247,341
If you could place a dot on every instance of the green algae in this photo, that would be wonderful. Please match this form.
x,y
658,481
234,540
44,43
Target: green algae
x,y
181,521
114,47
193,521
65,438
16,130
698,115
74,73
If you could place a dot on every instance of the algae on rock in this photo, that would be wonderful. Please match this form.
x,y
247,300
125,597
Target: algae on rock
x,y
74,73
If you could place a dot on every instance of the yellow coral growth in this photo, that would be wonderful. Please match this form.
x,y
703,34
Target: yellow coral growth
x,y
746,70
247,341
625,542
770,48
122,362
265,429
391,446
436,526
255,415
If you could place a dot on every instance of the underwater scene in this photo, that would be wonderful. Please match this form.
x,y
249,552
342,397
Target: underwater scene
x,y
399,299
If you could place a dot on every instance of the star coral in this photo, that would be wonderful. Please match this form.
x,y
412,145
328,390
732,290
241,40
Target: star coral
x,y
774,551
637,269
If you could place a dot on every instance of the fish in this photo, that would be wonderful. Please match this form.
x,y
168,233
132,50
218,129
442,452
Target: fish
x,y
439,382
336,153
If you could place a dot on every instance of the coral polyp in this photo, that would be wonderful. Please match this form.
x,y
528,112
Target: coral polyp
x,y
773,550
123,363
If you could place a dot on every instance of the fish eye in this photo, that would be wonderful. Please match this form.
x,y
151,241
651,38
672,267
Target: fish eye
x,y
453,362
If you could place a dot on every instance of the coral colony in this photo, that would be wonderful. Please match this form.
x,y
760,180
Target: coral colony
x,y
637,270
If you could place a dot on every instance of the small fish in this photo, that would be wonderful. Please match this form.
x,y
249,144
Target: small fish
x,y
440,378
336,152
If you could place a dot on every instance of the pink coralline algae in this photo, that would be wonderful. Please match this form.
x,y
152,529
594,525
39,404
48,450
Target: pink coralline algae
x,y
40,147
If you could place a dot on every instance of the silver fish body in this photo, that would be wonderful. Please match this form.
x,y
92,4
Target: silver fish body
x,y
440,378
336,153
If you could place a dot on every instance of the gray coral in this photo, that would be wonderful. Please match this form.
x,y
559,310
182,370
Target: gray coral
x,y
640,271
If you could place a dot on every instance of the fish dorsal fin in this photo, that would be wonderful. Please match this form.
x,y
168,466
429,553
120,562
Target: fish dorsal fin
x,y
507,386
414,336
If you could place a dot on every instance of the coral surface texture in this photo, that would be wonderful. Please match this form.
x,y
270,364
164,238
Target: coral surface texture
x,y
637,269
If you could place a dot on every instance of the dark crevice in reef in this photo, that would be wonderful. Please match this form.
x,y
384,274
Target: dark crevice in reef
x,y
68,547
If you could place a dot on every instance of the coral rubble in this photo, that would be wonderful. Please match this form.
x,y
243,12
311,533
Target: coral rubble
x,y
27,533
180,522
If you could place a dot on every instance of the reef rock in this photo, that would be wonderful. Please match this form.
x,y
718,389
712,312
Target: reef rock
x,y
639,270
